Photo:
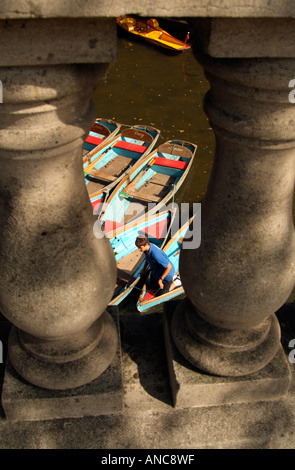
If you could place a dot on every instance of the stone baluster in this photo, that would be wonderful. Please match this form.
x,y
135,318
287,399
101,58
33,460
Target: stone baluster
x,y
56,277
244,269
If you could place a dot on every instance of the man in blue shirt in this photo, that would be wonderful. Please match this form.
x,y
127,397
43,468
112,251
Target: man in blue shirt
x,y
162,269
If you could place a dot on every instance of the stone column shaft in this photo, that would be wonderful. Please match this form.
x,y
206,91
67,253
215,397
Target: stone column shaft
x,y
244,269
56,277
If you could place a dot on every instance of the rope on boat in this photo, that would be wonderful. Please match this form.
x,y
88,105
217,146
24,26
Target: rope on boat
x,y
140,288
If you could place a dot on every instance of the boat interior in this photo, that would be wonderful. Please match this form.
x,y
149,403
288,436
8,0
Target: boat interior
x,y
161,178
126,151
128,266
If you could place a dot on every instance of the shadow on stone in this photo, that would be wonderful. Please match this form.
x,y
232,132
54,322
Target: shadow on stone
x,y
144,358
191,387
286,317
22,401
4,333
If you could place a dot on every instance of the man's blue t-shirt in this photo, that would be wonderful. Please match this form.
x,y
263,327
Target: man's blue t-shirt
x,y
158,262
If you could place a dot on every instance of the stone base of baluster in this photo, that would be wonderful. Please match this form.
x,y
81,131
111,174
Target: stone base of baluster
x,y
194,387
221,351
102,395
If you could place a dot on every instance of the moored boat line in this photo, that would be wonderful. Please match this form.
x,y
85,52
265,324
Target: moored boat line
x,y
112,161
149,182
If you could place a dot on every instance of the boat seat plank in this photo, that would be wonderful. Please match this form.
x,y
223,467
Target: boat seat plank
x,y
94,186
122,144
124,276
162,179
155,189
102,175
177,164
146,197
93,140
131,262
118,165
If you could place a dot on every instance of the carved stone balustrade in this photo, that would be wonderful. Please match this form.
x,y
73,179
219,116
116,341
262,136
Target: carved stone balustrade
x,y
56,277
244,269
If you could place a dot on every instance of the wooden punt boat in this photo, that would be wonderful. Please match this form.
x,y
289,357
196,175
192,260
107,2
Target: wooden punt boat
x,y
150,31
114,160
150,184
101,131
129,259
147,299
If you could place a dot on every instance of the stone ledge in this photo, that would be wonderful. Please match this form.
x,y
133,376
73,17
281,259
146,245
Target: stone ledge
x,y
250,37
262,425
60,41
97,8
194,388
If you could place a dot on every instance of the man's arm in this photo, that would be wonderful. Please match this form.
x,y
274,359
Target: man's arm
x,y
167,271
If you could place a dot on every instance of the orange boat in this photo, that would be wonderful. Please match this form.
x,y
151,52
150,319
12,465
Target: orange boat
x,y
150,31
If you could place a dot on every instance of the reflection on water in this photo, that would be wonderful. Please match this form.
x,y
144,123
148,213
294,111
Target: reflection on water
x,y
147,86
